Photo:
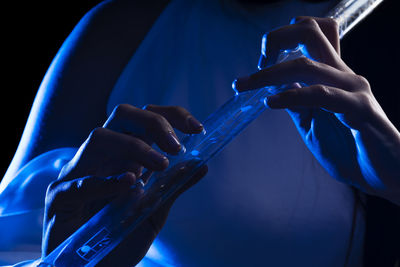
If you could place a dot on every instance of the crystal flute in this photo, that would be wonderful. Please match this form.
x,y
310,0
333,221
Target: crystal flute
x,y
105,230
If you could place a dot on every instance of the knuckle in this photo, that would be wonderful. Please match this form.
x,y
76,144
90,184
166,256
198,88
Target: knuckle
x,y
158,122
364,102
302,62
361,82
120,110
96,134
323,90
179,109
332,23
310,30
309,23
149,107
363,97
300,19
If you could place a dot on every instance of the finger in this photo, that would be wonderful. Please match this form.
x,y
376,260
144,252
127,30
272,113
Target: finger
x,y
328,26
67,195
129,119
179,118
301,70
307,31
121,152
316,96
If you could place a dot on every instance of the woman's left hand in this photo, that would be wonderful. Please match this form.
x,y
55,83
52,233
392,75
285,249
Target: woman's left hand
x,y
108,164
333,108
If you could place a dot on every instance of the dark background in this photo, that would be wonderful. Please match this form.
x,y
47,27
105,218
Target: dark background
x,y
33,32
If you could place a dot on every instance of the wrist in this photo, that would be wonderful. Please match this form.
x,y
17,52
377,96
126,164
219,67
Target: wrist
x,y
378,149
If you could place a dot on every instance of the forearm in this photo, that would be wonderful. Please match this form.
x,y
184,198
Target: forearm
x,y
378,145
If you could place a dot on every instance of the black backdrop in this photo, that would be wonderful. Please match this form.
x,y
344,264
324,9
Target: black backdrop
x,y
32,34
34,31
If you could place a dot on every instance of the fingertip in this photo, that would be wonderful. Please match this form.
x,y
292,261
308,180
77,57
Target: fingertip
x,y
159,161
194,125
172,143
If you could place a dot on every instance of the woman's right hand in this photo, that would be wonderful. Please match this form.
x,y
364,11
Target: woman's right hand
x,y
107,164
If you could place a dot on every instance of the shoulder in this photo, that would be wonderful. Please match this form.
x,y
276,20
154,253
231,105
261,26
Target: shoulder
x,y
126,9
120,17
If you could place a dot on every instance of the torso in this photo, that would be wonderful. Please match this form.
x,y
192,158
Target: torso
x,y
266,201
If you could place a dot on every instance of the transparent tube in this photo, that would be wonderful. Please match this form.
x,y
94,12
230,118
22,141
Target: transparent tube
x,y
104,231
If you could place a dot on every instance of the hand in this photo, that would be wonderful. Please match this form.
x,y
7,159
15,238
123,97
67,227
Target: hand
x,y
107,164
334,109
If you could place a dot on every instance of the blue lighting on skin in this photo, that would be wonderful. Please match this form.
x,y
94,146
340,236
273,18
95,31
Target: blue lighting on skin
x,y
304,51
289,54
285,55
158,254
234,87
368,172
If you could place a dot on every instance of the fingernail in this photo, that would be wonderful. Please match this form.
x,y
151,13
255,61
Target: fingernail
x,y
195,124
157,158
264,45
173,141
